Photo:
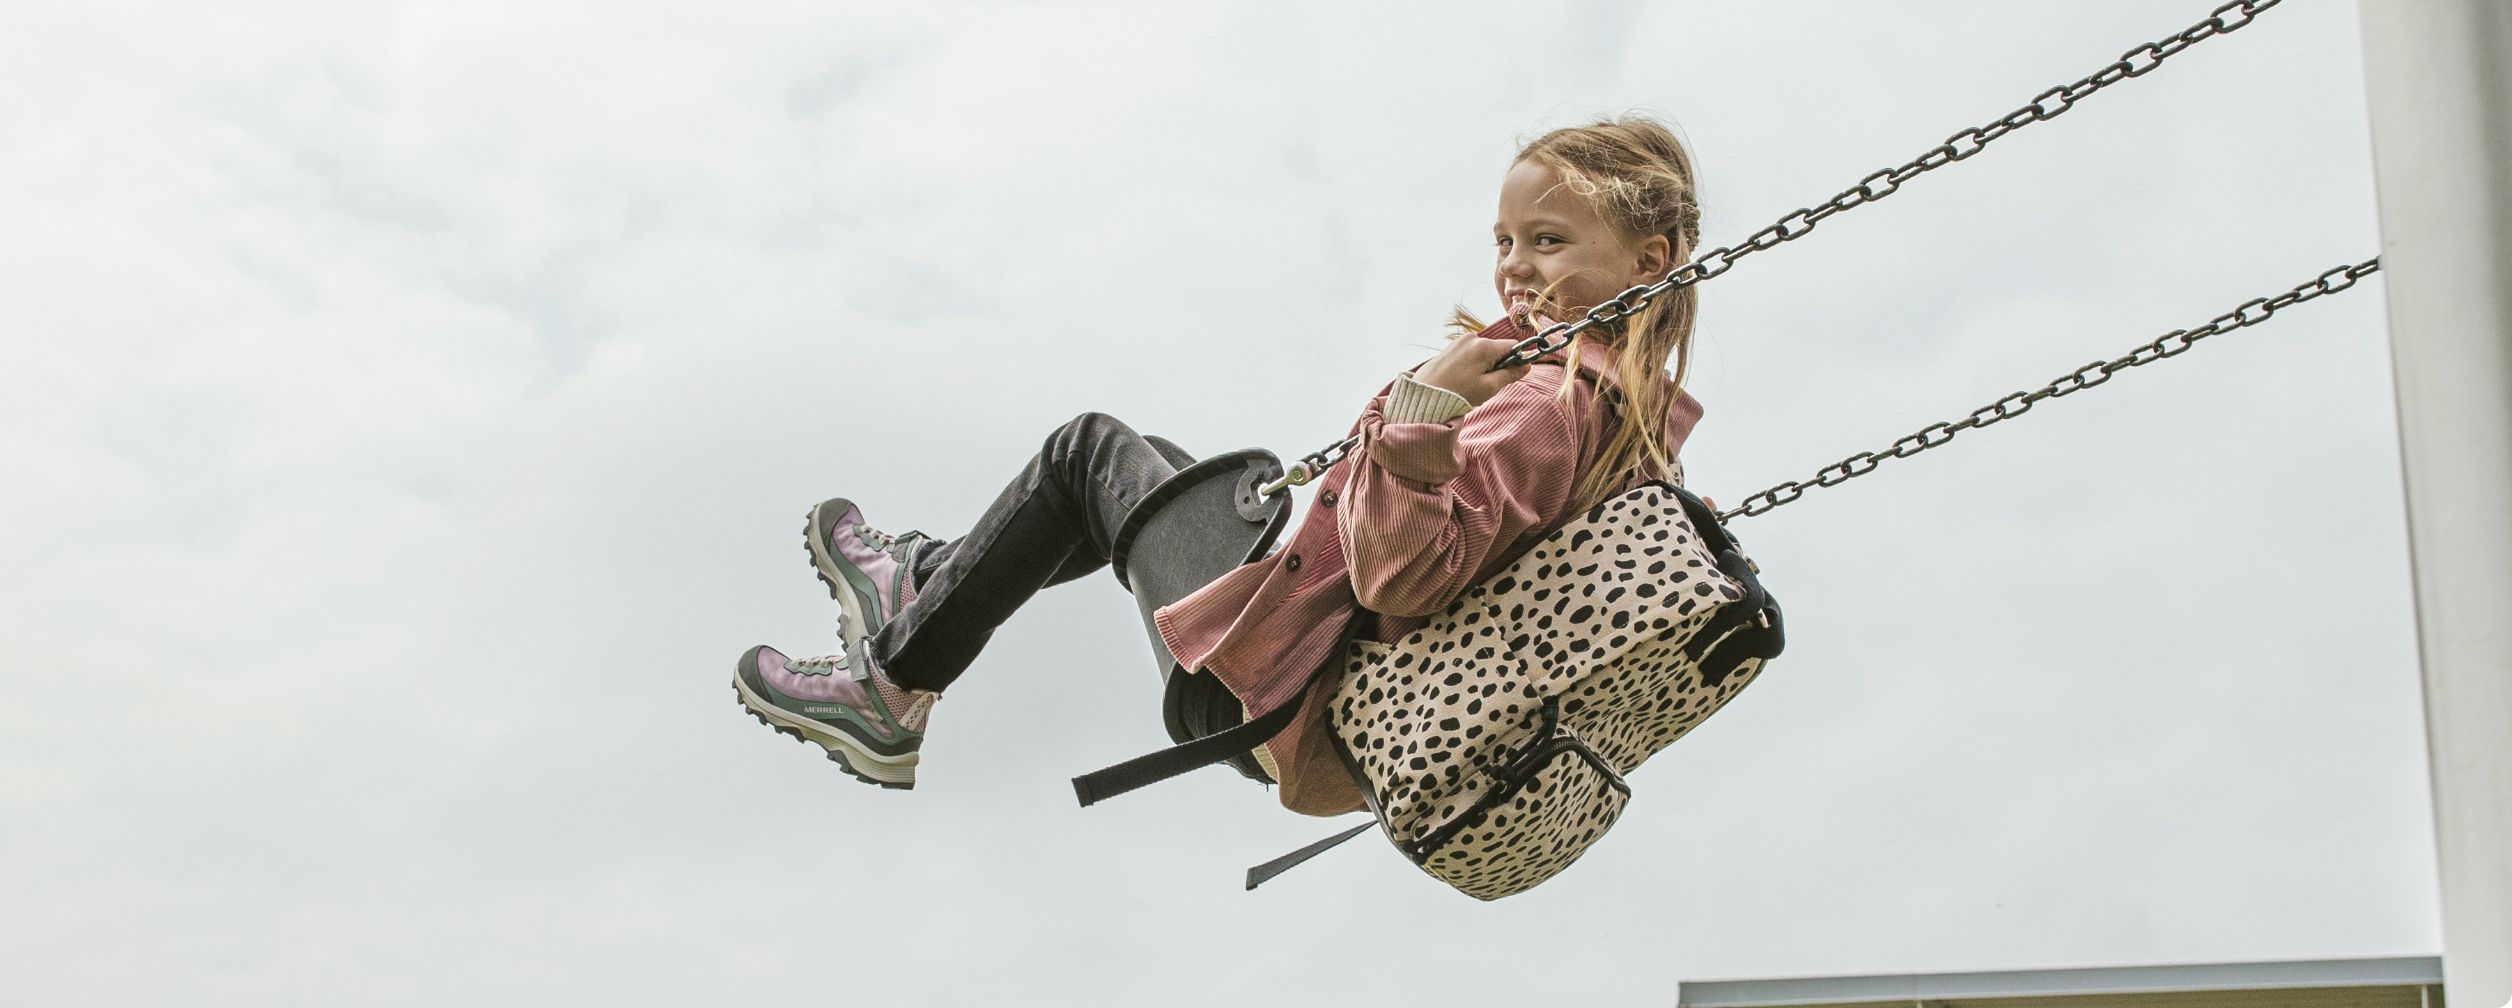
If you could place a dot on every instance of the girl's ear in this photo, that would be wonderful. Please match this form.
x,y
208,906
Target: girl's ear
x,y
1657,255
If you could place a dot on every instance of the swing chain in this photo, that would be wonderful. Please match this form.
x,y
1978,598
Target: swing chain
x,y
1800,222
1311,465
2014,404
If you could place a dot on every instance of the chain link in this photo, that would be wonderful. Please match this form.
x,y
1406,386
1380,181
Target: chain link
x,y
2014,404
1311,465
1798,223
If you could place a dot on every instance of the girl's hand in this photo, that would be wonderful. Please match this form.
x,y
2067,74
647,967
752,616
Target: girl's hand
x,y
1465,368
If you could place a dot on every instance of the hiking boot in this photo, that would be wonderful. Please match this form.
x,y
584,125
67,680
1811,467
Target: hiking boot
x,y
869,572
869,725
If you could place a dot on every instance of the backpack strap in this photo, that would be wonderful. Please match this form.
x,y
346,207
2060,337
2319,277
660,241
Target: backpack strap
x,y
1152,768
1740,632
1264,873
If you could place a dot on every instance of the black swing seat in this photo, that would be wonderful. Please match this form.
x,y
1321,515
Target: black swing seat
x,y
1207,520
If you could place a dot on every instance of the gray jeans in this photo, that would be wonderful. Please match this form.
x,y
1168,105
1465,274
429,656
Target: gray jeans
x,y
1052,524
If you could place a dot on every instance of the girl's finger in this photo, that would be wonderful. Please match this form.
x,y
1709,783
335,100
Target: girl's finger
x,y
1492,350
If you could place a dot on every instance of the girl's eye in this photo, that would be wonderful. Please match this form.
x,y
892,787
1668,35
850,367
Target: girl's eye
x,y
1548,240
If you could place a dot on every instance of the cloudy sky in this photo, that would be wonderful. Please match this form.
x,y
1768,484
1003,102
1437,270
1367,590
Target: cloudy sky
x,y
410,411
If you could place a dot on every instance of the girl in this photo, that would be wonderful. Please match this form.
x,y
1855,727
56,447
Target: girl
x,y
1460,468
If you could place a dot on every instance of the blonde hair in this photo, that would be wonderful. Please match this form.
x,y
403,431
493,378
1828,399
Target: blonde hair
x,y
1638,177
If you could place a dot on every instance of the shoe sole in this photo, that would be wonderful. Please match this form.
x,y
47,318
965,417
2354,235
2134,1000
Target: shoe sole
x,y
898,772
826,566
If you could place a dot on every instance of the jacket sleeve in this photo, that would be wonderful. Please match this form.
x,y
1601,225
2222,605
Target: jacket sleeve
x,y
1428,502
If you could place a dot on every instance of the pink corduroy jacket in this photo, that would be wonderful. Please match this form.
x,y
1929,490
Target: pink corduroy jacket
x,y
1414,516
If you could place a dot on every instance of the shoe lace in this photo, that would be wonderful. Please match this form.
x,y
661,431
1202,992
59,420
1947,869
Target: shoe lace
x,y
910,707
887,542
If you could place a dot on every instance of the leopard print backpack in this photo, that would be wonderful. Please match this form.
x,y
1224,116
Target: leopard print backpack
x,y
1492,744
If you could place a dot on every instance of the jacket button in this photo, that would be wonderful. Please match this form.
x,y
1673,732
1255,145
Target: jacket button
x,y
1327,498
1293,563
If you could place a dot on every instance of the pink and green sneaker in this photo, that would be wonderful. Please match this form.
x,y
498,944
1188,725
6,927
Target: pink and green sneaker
x,y
869,572
870,726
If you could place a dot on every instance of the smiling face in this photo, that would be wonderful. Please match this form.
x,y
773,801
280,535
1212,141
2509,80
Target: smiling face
x,y
1550,238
